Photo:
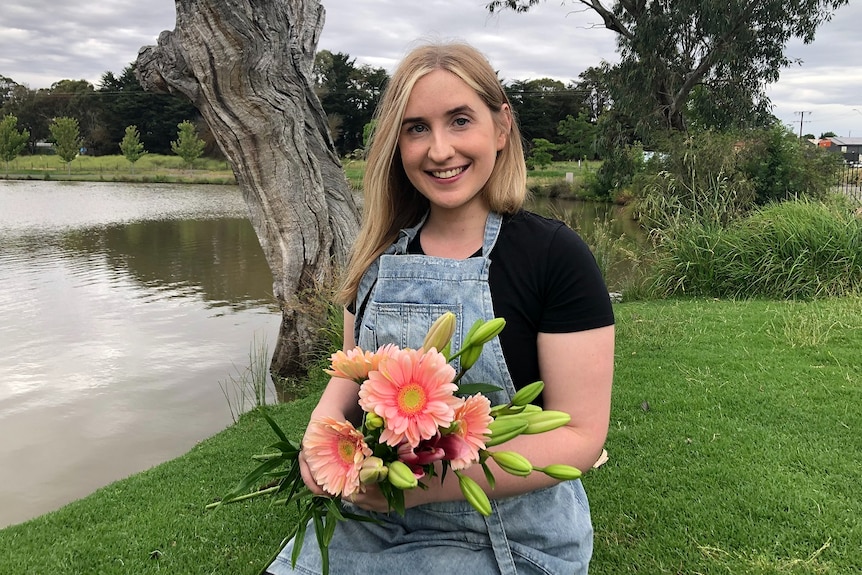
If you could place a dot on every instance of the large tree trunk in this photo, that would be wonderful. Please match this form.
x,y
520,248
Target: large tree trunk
x,y
246,65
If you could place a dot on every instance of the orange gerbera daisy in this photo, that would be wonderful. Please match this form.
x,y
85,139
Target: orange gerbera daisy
x,y
413,392
354,364
470,427
334,451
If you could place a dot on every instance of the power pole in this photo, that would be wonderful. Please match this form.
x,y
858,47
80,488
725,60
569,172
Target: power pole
x,y
801,121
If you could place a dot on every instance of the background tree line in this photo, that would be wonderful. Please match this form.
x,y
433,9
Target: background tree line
x,y
564,115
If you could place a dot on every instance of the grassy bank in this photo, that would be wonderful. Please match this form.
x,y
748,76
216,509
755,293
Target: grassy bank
x,y
150,168
734,448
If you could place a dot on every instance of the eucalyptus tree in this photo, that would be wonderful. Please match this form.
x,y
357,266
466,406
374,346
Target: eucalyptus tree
x,y
720,54
246,65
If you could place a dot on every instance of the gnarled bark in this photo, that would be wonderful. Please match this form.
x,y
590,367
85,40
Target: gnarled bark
x,y
246,65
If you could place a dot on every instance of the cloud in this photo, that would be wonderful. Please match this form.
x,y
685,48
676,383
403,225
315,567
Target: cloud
x,y
44,41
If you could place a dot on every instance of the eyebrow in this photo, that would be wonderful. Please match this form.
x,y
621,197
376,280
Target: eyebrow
x,y
452,112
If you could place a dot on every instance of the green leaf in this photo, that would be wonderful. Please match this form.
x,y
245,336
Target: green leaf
x,y
474,388
489,476
317,516
275,427
251,479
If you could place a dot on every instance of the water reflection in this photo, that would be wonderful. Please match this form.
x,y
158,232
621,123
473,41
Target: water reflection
x,y
220,260
122,308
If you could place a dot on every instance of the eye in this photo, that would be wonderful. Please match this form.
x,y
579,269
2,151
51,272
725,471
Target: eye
x,y
461,122
416,129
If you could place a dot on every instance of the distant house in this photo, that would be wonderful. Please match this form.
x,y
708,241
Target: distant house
x,y
850,148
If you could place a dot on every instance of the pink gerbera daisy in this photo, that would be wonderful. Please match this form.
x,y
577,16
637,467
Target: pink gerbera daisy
x,y
335,450
413,392
469,430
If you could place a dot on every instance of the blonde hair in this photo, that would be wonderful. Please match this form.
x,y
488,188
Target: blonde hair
x,y
391,201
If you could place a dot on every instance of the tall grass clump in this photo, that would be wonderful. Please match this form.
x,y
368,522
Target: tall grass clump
x,y
248,389
790,250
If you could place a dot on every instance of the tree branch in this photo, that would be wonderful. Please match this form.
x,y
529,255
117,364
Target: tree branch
x,y
610,20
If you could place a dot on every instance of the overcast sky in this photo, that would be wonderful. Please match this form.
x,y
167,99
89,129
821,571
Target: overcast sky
x,y
43,41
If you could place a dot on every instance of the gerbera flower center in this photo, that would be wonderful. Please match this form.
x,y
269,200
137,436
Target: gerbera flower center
x,y
346,450
411,398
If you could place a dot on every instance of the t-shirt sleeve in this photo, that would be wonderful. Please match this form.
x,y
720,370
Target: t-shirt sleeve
x,y
576,296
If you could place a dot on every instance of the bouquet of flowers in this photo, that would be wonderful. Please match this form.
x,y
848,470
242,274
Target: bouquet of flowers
x,y
418,421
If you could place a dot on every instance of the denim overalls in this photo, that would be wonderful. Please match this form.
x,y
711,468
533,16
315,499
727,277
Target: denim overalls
x,y
545,532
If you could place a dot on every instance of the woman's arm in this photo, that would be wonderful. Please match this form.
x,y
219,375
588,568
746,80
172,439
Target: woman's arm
x,y
340,401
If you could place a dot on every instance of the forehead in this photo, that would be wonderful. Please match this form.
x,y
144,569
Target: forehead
x,y
440,91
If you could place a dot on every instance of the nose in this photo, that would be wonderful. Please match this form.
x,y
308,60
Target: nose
x,y
440,148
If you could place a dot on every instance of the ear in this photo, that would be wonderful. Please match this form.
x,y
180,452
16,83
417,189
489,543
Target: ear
x,y
504,126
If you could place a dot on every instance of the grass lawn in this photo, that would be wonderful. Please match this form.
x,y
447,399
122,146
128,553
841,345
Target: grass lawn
x,y
734,448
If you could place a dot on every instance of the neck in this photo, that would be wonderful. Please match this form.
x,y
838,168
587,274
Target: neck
x,y
453,235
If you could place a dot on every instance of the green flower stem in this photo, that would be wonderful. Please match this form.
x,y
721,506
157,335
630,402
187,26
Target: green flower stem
x,y
244,497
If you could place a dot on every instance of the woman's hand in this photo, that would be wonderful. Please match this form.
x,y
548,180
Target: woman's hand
x,y
371,499
308,476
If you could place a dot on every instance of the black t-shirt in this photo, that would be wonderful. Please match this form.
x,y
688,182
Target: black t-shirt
x,y
543,278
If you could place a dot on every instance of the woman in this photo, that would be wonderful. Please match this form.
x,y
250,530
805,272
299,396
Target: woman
x,y
444,230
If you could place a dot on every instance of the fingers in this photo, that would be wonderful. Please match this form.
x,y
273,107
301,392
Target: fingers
x,y
308,477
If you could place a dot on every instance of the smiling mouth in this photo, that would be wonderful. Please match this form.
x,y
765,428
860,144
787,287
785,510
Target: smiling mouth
x,y
446,174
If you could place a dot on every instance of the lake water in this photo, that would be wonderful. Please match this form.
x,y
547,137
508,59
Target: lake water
x,y
123,309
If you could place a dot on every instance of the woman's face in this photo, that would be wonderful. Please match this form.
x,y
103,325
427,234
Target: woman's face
x,y
449,141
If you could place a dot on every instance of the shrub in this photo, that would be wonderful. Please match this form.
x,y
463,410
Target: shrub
x,y
790,250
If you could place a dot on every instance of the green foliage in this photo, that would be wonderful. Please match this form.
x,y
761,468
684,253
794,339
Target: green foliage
x,y
782,166
617,171
367,132
123,102
789,250
67,138
541,154
695,178
11,140
702,61
349,96
715,177
579,138
187,145
540,105
131,146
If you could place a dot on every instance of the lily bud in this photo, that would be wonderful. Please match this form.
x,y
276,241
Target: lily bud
x,y
440,332
474,494
401,477
372,471
560,471
528,393
512,463
486,332
470,356
542,421
502,430
373,421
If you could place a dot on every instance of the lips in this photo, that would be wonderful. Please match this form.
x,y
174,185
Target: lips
x,y
446,174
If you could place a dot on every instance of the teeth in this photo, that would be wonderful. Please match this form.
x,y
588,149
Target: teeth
x,y
448,173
